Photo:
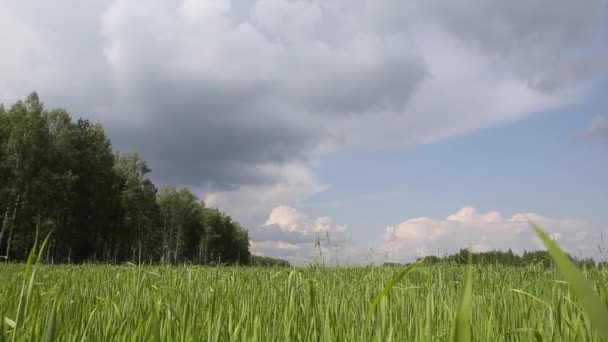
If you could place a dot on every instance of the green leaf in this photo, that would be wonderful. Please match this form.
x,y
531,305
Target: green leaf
x,y
592,304
389,286
462,329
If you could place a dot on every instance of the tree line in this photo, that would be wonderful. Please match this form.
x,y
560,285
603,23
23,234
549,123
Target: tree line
x,y
259,260
61,174
508,258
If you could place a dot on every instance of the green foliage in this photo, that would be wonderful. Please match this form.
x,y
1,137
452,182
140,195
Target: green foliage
x,y
137,234
534,258
62,175
226,241
258,260
183,224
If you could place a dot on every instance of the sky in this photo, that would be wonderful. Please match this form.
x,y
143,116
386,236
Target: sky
x,y
383,129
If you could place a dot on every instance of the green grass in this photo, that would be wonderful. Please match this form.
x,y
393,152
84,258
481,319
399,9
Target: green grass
x,y
193,303
130,303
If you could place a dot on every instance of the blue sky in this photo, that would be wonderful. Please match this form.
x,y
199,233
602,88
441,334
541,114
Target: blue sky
x,y
413,126
532,165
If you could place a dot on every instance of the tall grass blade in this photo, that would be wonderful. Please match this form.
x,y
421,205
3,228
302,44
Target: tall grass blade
x,y
30,286
462,328
155,324
23,295
389,286
43,246
26,293
3,336
529,295
582,288
50,325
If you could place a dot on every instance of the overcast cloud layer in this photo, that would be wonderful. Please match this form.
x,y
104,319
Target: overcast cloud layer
x,y
240,99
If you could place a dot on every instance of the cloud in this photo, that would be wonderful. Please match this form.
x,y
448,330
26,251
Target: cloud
x,y
239,99
528,39
292,183
598,129
54,49
289,225
289,233
275,249
482,232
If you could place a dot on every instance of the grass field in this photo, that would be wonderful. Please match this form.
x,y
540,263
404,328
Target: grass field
x,y
147,303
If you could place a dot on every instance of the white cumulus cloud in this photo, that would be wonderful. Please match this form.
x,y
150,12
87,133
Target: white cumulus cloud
x,y
291,234
466,228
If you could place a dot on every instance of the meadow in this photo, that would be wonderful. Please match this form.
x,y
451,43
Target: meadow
x,y
418,302
195,303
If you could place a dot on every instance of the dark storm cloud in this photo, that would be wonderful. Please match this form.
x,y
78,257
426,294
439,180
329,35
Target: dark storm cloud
x,y
201,142
255,103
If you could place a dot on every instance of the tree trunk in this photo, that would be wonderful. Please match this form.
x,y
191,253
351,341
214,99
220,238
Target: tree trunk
x,y
177,240
4,224
48,250
8,243
165,247
10,234
169,257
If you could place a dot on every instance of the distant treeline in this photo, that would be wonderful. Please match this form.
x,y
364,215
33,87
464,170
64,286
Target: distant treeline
x,y
535,258
62,175
257,260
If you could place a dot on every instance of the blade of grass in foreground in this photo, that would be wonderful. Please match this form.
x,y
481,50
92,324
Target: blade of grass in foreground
x,y
23,295
590,301
462,329
389,286
50,325
26,292
3,337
